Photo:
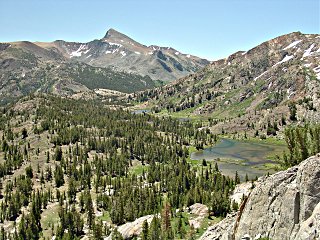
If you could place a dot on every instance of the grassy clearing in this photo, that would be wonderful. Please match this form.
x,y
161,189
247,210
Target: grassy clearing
x,y
138,170
205,222
49,218
105,217
269,141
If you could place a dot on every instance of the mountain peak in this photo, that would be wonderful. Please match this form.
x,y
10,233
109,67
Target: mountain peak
x,y
113,33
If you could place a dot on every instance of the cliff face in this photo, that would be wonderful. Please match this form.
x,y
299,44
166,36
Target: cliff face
x,y
285,205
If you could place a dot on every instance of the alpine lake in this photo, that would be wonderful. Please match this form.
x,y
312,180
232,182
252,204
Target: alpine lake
x,y
246,157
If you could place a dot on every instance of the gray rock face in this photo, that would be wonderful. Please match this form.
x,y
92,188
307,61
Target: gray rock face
x,y
222,230
285,205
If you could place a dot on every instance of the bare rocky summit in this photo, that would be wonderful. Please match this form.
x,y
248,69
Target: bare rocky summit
x,y
285,205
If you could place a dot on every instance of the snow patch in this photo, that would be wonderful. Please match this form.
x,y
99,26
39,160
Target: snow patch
x,y
88,56
115,44
79,52
85,52
307,64
285,59
137,53
308,51
176,53
244,53
290,93
123,53
292,44
188,56
108,52
317,71
256,78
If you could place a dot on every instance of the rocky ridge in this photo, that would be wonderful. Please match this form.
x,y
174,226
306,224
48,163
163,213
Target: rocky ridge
x,y
122,53
285,205
252,86
115,62
27,68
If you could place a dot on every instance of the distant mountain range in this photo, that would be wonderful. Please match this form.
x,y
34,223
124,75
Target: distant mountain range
x,y
122,53
256,86
114,62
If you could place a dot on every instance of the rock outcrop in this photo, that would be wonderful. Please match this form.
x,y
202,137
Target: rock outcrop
x,y
200,211
285,205
132,229
241,190
222,230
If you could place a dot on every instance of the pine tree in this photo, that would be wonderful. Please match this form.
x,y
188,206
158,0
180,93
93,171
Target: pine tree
x,y
97,231
154,231
116,235
58,154
237,178
166,221
89,210
58,176
145,230
24,133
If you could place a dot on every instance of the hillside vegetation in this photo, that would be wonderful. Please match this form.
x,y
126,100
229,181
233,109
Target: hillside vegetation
x,y
258,91
71,168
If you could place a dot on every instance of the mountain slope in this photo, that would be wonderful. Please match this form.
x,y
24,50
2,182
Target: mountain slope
x,y
26,67
114,62
122,53
253,86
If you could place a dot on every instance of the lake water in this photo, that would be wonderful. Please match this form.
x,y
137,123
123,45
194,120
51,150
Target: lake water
x,y
244,157
140,111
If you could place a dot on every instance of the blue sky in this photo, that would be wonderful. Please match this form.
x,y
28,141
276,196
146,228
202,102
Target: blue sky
x,y
207,28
